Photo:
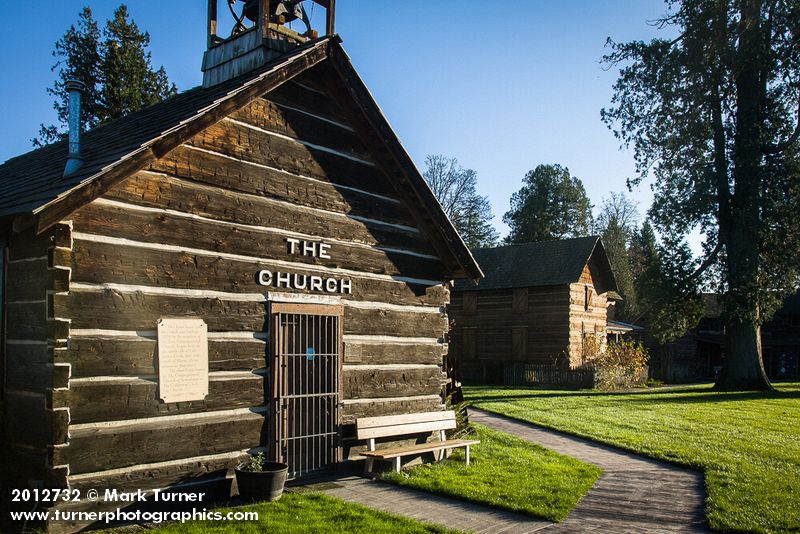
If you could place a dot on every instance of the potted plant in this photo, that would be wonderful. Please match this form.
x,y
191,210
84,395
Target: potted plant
x,y
259,479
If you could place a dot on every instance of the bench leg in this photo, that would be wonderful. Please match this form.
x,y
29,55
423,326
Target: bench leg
x,y
370,460
368,466
397,465
467,454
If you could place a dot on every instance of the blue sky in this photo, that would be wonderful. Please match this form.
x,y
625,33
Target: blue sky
x,y
502,89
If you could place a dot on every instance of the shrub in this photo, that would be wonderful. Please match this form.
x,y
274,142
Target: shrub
x,y
621,365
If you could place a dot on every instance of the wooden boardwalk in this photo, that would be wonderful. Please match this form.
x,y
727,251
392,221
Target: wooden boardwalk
x,y
634,494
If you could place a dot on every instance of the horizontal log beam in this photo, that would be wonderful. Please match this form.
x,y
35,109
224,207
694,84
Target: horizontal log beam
x,y
252,145
346,195
131,356
116,447
135,310
354,259
371,407
302,95
385,383
301,125
160,474
113,400
384,353
263,231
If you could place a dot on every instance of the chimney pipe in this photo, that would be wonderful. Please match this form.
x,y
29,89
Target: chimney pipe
x,y
74,159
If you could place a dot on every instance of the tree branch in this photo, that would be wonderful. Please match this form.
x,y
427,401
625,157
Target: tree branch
x,y
780,147
708,262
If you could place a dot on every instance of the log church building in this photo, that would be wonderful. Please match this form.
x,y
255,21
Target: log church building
x,y
247,266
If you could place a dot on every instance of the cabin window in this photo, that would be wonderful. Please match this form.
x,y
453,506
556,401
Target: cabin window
x,y
588,296
468,342
470,302
519,342
520,300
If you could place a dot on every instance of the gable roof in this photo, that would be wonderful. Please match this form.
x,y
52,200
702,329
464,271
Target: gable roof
x,y
546,263
33,183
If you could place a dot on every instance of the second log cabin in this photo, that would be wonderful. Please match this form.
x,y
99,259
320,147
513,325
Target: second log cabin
x,y
539,303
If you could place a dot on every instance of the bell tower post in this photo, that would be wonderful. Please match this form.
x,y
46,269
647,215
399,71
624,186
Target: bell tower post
x,y
244,35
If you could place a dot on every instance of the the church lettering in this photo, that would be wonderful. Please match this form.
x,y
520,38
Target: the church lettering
x,y
304,281
315,249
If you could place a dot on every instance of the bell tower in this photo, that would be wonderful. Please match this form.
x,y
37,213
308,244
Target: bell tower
x,y
244,35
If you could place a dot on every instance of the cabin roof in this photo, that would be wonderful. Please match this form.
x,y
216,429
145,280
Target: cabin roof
x,y
33,184
546,263
618,327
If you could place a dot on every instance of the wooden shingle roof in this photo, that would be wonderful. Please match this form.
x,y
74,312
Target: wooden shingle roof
x,y
546,263
33,184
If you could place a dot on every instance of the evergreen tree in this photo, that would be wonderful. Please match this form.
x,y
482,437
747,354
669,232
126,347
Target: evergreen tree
x,y
551,204
116,71
78,53
669,297
129,82
456,189
714,116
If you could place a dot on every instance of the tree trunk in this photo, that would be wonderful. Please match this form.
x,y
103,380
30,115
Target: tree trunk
x,y
743,367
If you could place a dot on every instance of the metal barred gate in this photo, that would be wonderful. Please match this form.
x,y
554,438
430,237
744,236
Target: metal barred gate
x,y
307,359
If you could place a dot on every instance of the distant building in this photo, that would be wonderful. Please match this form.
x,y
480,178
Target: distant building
x,y
699,355
540,303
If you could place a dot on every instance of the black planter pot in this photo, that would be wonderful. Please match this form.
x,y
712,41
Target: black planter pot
x,y
266,485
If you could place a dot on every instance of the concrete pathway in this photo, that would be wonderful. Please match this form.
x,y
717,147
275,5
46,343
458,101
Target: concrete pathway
x,y
431,508
634,494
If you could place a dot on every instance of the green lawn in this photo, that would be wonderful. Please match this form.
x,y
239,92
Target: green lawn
x,y
506,472
747,443
299,513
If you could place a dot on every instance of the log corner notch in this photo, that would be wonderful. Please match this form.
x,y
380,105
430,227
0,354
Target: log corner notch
x,y
34,335
59,263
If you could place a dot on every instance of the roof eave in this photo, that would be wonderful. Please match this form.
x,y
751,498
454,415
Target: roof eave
x,y
458,250
91,187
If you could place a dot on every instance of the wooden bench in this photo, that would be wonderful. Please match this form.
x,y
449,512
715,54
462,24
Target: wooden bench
x,y
370,428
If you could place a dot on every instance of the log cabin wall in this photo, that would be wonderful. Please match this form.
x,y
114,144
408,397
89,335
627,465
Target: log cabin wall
x,y
540,303
186,238
523,325
33,337
588,319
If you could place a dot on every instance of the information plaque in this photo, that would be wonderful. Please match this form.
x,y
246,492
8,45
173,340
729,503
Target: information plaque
x,y
182,359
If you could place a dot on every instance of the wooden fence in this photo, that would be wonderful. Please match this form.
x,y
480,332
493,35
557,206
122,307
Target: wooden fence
x,y
526,374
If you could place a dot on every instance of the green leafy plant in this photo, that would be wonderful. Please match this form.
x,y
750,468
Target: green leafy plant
x,y
256,463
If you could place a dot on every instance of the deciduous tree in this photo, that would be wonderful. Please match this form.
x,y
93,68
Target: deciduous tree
x,y
712,115
456,189
617,222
